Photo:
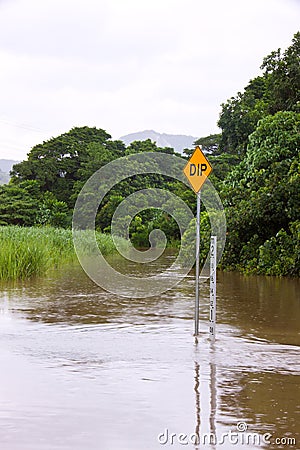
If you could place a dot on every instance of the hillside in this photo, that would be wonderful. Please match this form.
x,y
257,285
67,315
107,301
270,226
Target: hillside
x,y
5,168
4,177
176,141
6,165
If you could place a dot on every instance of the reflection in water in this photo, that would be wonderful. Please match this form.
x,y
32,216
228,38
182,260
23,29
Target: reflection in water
x,y
207,436
81,368
213,400
198,410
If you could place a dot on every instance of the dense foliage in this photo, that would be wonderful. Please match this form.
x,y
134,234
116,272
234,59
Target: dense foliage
x,y
277,89
256,171
261,196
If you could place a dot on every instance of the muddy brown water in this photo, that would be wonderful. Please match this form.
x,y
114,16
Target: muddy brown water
x,y
82,369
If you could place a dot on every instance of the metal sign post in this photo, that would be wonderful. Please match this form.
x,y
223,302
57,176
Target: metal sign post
x,y
197,264
213,287
197,171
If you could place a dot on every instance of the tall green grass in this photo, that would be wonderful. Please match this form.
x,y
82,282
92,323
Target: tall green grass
x,y
28,252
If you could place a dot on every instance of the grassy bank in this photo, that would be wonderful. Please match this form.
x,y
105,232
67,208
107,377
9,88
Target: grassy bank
x,y
32,251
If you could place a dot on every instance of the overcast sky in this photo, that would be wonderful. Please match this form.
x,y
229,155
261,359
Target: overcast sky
x,y
129,65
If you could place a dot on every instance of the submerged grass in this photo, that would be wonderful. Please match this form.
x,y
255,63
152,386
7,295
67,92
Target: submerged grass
x,y
28,252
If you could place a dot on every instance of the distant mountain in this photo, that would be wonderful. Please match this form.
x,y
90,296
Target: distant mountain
x,y
6,164
5,168
176,141
4,177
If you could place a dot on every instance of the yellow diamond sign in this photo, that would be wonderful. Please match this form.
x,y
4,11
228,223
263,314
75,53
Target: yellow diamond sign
x,y
197,169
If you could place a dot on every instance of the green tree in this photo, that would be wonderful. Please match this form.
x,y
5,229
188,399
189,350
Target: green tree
x,y
209,144
18,204
262,193
282,74
53,212
277,89
55,164
239,117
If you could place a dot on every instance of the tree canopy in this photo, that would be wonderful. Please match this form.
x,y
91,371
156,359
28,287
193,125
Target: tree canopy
x,y
277,89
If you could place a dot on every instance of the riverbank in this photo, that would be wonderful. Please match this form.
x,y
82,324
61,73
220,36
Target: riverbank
x,y
28,252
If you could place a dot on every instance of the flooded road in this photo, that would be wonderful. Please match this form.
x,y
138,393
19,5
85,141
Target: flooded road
x,y
82,369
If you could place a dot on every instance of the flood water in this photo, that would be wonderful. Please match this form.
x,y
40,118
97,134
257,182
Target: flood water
x,y
82,369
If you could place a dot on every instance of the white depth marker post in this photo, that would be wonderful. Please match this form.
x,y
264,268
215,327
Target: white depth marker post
x,y
197,263
213,287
